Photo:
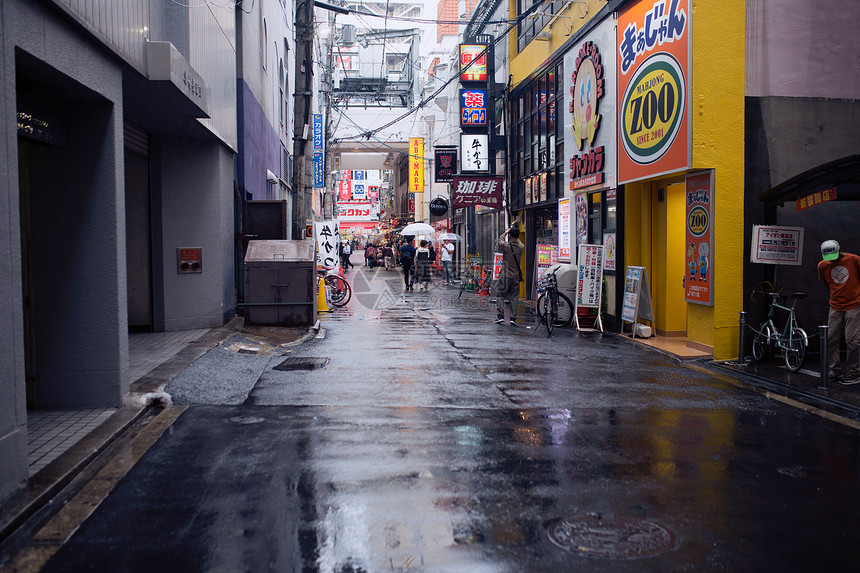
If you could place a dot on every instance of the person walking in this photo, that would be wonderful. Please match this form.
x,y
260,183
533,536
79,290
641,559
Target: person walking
x,y
840,271
447,259
508,284
388,256
345,252
369,255
407,258
422,266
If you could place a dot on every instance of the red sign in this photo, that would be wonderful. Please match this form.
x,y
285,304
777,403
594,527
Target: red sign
x,y
816,198
469,191
344,190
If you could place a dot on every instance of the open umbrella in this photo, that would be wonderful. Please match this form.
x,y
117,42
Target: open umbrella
x,y
449,237
415,229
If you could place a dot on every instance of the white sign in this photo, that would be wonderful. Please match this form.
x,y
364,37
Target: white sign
x,y
474,153
589,280
327,239
352,211
564,229
777,245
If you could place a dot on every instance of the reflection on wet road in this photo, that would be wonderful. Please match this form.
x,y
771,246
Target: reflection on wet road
x,y
434,440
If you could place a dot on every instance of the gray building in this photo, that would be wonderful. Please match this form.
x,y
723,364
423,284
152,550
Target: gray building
x,y
117,185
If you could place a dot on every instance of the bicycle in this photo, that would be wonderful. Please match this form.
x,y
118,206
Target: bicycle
x,y
337,288
473,278
553,307
792,340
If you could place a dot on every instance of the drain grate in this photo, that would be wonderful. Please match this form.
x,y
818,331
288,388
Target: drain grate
x,y
296,363
611,537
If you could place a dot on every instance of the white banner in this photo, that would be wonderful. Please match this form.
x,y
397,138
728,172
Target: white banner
x,y
564,229
327,239
350,211
590,276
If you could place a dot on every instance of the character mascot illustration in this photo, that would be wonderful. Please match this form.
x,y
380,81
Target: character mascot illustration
x,y
691,257
704,249
584,104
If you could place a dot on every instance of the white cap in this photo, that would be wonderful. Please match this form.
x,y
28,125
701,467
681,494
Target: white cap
x,y
830,250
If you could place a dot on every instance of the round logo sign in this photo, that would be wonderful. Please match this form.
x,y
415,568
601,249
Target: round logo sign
x,y
698,221
438,206
652,108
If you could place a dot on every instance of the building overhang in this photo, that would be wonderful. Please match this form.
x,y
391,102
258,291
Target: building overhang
x,y
842,174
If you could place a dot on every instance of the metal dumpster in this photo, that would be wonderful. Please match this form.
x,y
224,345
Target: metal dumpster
x,y
279,283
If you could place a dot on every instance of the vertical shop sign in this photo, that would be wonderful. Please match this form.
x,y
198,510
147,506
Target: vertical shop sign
x,y
589,281
445,164
474,153
564,229
609,252
473,108
591,85
416,165
318,132
344,190
319,171
653,76
699,199
473,62
327,239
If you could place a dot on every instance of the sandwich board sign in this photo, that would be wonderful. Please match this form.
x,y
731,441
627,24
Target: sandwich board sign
x,y
589,282
637,298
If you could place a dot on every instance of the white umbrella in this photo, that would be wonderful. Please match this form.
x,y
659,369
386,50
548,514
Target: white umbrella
x,y
449,237
417,229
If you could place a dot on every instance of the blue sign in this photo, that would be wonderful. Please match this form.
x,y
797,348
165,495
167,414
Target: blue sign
x,y
358,175
319,170
318,132
473,107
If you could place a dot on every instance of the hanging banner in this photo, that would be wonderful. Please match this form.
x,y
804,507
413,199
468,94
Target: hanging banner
x,y
344,190
589,142
327,240
469,191
700,237
416,165
564,229
653,76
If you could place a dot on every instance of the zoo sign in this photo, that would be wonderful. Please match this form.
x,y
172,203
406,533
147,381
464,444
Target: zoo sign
x,y
653,64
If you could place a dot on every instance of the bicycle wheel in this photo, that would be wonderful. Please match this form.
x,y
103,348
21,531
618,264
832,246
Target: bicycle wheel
x,y
565,309
762,341
339,290
795,349
548,313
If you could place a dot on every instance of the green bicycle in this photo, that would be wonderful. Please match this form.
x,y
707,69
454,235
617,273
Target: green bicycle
x,y
791,339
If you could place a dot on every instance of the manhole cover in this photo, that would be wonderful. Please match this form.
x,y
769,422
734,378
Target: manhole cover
x,y
246,420
296,363
611,537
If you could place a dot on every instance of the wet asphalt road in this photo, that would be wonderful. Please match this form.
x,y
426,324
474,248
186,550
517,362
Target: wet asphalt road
x,y
434,440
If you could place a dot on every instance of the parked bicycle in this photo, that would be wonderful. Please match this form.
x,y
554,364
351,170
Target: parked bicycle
x,y
477,278
791,339
553,307
337,288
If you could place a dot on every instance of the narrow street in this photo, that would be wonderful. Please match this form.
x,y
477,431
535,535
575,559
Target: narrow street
x,y
415,434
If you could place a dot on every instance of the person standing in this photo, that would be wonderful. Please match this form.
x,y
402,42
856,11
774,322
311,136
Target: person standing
x,y
422,266
345,252
407,258
447,260
388,256
841,272
508,284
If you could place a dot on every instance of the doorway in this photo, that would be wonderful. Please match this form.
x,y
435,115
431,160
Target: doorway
x,y
668,262
138,233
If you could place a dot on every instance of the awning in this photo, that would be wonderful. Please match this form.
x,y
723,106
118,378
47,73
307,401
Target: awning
x,y
842,174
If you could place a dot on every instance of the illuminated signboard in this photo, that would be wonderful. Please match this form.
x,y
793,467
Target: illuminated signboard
x,y
473,62
473,108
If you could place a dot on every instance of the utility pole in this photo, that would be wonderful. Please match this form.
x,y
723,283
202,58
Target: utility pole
x,y
302,152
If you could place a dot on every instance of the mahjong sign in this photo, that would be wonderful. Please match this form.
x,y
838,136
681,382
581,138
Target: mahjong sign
x,y
653,67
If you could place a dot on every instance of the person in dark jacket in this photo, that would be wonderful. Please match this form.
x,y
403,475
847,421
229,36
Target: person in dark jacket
x,y
508,285
407,259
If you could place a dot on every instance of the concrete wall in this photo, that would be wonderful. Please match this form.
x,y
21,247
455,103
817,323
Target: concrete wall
x,y
197,211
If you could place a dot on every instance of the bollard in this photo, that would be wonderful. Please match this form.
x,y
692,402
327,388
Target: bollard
x,y
742,358
822,371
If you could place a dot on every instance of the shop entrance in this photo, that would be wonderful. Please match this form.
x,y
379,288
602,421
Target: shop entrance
x,y
669,260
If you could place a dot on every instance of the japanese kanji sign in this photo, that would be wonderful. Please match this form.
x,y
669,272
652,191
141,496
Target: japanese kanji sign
x,y
416,165
327,237
319,170
777,245
344,190
816,198
318,132
592,90
653,74
473,108
474,56
468,191
474,153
